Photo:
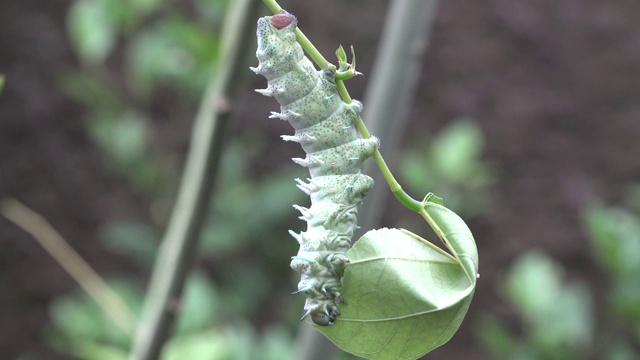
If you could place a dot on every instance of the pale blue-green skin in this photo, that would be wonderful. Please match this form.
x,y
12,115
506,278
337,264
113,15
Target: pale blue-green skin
x,y
325,127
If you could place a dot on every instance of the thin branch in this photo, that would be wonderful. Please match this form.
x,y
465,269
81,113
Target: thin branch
x,y
391,90
180,241
71,262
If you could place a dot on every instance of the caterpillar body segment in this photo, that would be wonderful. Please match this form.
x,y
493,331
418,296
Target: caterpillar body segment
x,y
325,128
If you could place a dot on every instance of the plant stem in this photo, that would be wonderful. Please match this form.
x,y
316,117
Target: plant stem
x,y
273,6
180,241
391,89
315,55
60,250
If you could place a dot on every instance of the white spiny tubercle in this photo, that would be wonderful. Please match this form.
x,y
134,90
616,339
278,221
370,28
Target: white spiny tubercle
x,y
309,100
265,92
311,186
306,188
315,159
300,161
303,210
296,236
275,115
309,161
256,70
298,138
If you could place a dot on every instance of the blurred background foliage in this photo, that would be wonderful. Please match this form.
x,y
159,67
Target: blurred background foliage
x,y
451,166
559,317
139,69
168,50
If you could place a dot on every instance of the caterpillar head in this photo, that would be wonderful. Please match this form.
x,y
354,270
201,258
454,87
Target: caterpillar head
x,y
278,25
278,50
282,20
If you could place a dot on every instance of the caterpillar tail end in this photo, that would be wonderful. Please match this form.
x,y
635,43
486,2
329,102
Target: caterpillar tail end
x,y
320,318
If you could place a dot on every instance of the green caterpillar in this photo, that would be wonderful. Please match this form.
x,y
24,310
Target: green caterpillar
x,y
325,128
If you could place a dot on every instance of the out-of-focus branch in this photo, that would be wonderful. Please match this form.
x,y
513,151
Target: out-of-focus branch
x,y
179,245
71,262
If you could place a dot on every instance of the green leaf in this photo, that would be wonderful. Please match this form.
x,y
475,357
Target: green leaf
x,y
405,296
615,233
542,309
212,11
176,51
496,337
621,351
456,151
91,29
200,305
234,223
276,343
78,319
632,196
624,297
451,166
96,351
124,138
273,343
141,7
530,273
431,197
91,91
201,345
456,236
341,54
136,240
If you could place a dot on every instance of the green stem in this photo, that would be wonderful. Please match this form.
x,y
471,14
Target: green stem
x,y
314,54
311,50
273,6
395,187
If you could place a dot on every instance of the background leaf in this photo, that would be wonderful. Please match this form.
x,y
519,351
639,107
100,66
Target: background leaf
x,y
92,31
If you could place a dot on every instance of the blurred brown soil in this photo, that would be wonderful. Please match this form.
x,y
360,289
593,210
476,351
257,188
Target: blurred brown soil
x,y
554,84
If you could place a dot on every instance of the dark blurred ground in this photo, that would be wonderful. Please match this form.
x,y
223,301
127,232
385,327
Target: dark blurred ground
x,y
554,84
